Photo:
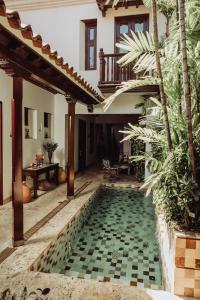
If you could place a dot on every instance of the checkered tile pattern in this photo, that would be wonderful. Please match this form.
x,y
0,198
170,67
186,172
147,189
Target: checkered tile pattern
x,y
118,242
187,271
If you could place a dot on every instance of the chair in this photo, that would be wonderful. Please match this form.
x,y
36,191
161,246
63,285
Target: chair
x,y
124,163
109,172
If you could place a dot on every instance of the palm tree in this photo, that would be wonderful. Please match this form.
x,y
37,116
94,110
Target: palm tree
x,y
175,191
186,85
158,65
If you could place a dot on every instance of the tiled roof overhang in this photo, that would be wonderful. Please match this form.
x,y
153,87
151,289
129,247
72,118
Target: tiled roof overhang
x,y
103,7
24,54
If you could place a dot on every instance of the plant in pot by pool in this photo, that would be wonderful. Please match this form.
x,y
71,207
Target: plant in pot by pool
x,y
50,147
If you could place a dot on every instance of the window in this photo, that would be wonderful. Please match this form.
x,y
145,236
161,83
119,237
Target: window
x,y
90,44
126,24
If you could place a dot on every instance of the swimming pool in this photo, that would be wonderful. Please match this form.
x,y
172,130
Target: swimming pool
x,y
113,238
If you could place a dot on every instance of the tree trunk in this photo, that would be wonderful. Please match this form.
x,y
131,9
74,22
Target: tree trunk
x,y
158,65
179,77
186,85
167,26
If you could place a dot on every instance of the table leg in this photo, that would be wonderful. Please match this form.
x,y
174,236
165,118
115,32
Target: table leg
x,y
35,186
48,175
56,175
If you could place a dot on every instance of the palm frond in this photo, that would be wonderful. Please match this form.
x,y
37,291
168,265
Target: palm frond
x,y
130,85
114,2
140,47
146,135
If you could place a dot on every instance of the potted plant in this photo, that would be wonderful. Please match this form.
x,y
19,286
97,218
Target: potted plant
x,y
50,147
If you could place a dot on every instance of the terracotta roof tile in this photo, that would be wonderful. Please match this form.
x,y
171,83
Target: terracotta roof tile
x,y
14,20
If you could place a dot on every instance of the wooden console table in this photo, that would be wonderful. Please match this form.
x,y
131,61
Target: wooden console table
x,y
35,172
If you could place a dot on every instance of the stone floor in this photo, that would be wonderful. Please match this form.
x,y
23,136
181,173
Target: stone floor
x,y
55,286
37,209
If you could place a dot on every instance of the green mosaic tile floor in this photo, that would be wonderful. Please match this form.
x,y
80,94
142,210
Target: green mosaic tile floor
x,y
118,242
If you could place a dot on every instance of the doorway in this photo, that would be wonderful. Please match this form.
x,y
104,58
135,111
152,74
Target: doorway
x,y
81,145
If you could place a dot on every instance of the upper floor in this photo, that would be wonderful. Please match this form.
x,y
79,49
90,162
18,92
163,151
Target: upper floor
x,y
79,29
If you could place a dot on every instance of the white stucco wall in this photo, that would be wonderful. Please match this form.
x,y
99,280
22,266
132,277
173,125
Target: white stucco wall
x,y
63,29
35,98
5,97
42,101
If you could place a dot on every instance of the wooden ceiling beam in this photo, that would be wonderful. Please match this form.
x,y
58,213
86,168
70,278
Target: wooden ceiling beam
x,y
33,67
103,7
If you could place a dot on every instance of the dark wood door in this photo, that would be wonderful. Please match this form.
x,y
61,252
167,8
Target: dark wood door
x,y
126,24
82,145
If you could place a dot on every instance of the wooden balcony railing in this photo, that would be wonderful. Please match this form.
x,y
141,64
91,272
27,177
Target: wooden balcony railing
x,y
111,72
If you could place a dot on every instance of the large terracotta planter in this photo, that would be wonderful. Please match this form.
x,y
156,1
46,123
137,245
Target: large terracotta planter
x,y
26,193
62,176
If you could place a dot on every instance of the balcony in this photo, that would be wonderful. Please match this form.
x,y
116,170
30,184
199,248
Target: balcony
x,y
112,74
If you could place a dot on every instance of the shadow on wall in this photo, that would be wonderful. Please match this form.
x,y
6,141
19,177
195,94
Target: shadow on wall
x,y
60,156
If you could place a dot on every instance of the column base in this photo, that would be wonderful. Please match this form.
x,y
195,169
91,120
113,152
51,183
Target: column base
x,y
70,197
18,243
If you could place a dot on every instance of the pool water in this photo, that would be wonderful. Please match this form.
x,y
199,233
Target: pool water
x,y
118,242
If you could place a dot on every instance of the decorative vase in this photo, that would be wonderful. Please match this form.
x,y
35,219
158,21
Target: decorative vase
x,y
26,193
62,176
50,154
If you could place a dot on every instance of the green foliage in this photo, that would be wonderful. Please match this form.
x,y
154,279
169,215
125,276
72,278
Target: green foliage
x,y
50,146
176,194
137,148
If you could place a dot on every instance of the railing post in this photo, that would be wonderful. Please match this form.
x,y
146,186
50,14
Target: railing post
x,y
102,65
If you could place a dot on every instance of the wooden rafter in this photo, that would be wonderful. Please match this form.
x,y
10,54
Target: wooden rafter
x,y
19,60
48,67
103,7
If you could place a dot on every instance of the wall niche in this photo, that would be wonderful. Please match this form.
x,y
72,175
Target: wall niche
x,y
30,123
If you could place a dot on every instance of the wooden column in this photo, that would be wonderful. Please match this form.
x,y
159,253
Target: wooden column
x,y
1,153
17,162
70,165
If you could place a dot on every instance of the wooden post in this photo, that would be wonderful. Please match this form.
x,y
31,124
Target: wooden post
x,y
17,164
70,165
102,66
1,153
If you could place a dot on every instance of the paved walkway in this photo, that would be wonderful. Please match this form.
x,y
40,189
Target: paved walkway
x,y
39,208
